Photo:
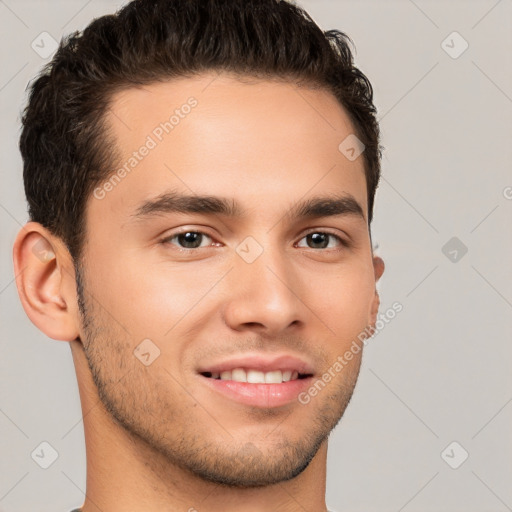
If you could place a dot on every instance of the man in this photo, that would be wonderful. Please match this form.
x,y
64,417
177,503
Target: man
x,y
200,177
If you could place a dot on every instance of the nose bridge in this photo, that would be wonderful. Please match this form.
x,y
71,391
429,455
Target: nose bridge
x,y
263,289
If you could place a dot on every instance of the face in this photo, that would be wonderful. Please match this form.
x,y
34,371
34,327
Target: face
x,y
184,298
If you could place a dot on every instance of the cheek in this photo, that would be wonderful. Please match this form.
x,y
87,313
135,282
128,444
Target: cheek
x,y
345,300
148,299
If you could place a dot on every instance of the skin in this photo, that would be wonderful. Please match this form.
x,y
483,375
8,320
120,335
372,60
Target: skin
x,y
157,437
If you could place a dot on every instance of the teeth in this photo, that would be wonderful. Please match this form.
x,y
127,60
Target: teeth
x,y
256,376
239,375
274,377
287,375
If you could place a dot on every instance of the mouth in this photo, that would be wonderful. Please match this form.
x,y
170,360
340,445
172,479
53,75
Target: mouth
x,y
258,380
253,376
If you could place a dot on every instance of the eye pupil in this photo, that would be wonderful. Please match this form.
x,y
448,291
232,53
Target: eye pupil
x,y
319,238
189,239
193,239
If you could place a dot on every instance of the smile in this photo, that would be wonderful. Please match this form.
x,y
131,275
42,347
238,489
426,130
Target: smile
x,y
252,376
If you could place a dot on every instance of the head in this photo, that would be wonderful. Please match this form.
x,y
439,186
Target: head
x,y
166,151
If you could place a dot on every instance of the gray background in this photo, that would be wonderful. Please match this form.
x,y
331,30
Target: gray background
x,y
440,370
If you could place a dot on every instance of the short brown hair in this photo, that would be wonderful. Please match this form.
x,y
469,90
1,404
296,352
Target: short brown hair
x,y
64,144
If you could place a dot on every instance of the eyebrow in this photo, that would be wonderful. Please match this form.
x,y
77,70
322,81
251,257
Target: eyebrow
x,y
175,202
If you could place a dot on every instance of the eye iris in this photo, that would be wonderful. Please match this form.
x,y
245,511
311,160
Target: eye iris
x,y
189,239
192,239
319,238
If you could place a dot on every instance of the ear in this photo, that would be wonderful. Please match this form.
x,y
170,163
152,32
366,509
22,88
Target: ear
x,y
45,280
378,269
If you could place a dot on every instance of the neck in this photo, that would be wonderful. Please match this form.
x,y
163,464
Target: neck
x,y
125,473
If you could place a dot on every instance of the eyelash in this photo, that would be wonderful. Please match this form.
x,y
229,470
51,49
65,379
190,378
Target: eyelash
x,y
167,240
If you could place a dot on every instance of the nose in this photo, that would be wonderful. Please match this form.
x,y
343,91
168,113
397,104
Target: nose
x,y
264,296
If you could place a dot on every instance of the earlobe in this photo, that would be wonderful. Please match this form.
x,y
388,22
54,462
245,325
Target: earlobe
x,y
378,268
44,278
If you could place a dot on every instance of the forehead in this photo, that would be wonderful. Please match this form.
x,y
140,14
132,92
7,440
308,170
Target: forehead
x,y
213,134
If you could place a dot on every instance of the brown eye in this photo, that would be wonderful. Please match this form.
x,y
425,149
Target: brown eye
x,y
321,239
187,239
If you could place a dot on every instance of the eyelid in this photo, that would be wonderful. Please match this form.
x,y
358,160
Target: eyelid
x,y
344,241
166,239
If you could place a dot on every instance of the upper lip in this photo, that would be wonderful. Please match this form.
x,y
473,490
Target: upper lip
x,y
261,362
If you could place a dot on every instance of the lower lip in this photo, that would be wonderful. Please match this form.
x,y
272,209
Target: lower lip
x,y
259,395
